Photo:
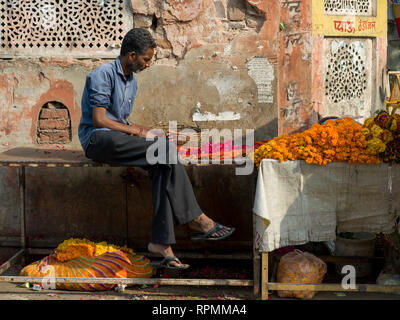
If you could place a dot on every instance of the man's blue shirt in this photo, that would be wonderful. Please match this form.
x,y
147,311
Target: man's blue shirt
x,y
106,87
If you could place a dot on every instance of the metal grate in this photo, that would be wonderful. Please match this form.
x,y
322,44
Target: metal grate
x,y
348,7
60,25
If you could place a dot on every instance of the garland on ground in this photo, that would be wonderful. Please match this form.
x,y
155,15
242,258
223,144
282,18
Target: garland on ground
x,y
73,248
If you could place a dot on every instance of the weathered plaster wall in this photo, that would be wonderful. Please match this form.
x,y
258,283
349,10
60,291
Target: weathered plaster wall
x,y
26,85
295,67
214,58
253,64
202,64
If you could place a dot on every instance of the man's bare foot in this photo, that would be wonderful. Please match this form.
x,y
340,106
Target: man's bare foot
x,y
164,250
204,224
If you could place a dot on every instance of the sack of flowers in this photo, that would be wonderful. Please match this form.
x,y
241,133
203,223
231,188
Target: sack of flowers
x,y
81,258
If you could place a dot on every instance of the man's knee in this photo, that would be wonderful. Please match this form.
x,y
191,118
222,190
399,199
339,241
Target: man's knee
x,y
162,151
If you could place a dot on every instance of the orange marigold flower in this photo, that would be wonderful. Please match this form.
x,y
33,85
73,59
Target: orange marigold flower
x,y
340,140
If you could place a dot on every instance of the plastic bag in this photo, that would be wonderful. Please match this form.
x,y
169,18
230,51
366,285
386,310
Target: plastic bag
x,y
386,279
300,267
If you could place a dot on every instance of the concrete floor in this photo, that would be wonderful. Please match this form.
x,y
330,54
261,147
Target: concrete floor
x,y
10,291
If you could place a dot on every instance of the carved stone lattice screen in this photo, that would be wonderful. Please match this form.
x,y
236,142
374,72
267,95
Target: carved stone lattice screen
x,y
349,7
346,76
348,79
58,26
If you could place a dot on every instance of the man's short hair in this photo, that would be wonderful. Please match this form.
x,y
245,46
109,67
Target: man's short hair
x,y
137,40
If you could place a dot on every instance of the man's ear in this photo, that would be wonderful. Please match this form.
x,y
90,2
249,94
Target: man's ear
x,y
133,55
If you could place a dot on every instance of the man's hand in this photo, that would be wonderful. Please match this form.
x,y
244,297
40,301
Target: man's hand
x,y
146,132
100,120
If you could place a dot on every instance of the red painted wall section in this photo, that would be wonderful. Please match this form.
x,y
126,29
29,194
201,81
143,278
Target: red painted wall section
x,y
318,76
295,110
185,10
268,34
8,120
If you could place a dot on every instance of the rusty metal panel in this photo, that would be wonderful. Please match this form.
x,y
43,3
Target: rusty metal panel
x,y
6,253
34,157
75,202
223,196
10,204
226,197
140,209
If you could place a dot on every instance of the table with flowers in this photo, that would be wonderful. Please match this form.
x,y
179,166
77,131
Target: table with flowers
x,y
337,176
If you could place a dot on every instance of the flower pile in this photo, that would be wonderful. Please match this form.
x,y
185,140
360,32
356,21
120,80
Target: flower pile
x,y
342,140
214,150
73,248
383,135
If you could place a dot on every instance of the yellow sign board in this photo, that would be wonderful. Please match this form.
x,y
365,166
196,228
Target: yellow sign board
x,y
349,25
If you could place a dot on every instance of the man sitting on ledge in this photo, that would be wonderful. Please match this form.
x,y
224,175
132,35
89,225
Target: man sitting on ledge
x,y
106,136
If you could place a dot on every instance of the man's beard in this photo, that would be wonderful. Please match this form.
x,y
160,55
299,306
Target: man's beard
x,y
134,68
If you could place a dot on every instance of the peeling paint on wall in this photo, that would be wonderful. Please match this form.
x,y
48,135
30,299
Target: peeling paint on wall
x,y
222,116
262,72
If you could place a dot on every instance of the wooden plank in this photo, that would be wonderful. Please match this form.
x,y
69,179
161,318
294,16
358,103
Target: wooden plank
x,y
22,212
234,249
10,242
185,255
27,156
264,276
9,263
344,259
130,281
333,287
256,262
256,274
349,259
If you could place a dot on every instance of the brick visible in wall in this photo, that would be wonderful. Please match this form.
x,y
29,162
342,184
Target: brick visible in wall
x,y
54,124
54,114
236,10
54,137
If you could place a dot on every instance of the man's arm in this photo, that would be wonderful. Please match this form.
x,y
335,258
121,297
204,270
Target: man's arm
x,y
100,120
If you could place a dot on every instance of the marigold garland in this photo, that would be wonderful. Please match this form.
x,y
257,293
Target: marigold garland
x,y
342,140
74,247
383,135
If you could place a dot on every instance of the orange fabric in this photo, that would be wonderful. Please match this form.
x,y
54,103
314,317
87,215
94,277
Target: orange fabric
x,y
117,264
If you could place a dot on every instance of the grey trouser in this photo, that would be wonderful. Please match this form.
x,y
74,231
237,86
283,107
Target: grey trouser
x,y
173,196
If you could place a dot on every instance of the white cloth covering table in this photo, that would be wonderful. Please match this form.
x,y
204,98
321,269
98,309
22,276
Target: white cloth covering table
x,y
296,203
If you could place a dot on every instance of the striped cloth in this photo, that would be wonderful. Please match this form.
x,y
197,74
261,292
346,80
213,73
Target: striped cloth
x,y
117,264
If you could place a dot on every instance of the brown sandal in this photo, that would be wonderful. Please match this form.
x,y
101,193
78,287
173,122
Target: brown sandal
x,y
166,263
